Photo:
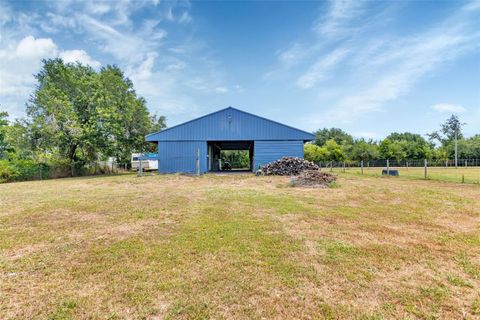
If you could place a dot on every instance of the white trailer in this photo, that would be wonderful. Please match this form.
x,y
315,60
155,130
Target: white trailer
x,y
149,161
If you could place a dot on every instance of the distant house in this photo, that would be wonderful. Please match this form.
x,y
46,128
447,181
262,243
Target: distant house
x,y
196,144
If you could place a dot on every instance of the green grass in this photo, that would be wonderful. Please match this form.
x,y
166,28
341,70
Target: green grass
x,y
450,174
238,247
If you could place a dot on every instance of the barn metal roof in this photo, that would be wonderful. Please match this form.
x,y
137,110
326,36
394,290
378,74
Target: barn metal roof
x,y
230,124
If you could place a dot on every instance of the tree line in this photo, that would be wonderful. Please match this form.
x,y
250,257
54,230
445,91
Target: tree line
x,y
76,118
334,144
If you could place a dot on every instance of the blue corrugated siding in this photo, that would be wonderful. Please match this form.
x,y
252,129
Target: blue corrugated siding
x,y
230,124
180,156
268,151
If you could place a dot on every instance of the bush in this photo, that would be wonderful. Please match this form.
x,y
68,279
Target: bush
x,y
7,171
21,170
26,169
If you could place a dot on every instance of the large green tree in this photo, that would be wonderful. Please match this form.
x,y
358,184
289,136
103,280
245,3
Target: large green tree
x,y
413,145
123,117
363,150
336,134
392,149
448,129
21,144
314,153
82,115
62,111
3,133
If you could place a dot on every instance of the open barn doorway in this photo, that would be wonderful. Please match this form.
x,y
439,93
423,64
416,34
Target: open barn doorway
x,y
230,156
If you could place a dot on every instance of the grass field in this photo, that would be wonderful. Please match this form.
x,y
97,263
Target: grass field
x,y
239,247
461,174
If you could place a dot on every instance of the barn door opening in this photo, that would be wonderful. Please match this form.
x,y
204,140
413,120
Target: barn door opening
x,y
230,156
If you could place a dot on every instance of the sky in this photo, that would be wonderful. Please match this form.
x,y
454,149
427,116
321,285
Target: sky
x,y
370,67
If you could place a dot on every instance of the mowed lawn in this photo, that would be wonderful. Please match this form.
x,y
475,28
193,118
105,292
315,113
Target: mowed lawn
x,y
450,174
239,247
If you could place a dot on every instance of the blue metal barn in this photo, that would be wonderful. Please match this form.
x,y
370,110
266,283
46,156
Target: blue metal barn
x,y
203,138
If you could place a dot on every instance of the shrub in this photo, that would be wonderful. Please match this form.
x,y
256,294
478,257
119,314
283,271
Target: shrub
x,y
7,171
21,170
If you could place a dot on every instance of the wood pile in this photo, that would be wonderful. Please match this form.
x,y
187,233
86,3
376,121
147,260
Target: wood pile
x,y
313,178
287,166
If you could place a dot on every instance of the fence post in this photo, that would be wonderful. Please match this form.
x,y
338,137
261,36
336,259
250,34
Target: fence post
x,y
331,166
344,166
197,162
140,167
425,168
388,167
361,165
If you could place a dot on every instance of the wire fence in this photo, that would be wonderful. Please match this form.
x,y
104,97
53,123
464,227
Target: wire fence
x,y
466,171
26,170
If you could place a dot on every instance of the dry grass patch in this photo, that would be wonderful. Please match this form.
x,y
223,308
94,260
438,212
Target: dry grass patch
x,y
238,247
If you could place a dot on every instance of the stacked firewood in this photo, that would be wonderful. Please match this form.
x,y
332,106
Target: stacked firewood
x,y
287,166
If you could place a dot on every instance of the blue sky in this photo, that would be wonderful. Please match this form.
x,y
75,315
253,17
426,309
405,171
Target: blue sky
x,y
369,68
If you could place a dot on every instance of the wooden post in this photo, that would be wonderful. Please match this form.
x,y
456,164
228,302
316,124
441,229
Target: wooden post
x,y
388,167
361,166
456,148
198,162
344,166
140,167
331,166
425,168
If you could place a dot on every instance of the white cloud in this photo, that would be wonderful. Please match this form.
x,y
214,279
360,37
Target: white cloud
x,y
5,15
412,59
185,18
447,107
337,21
79,56
129,46
31,48
292,55
221,90
21,59
169,74
177,65
143,72
319,71
381,69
